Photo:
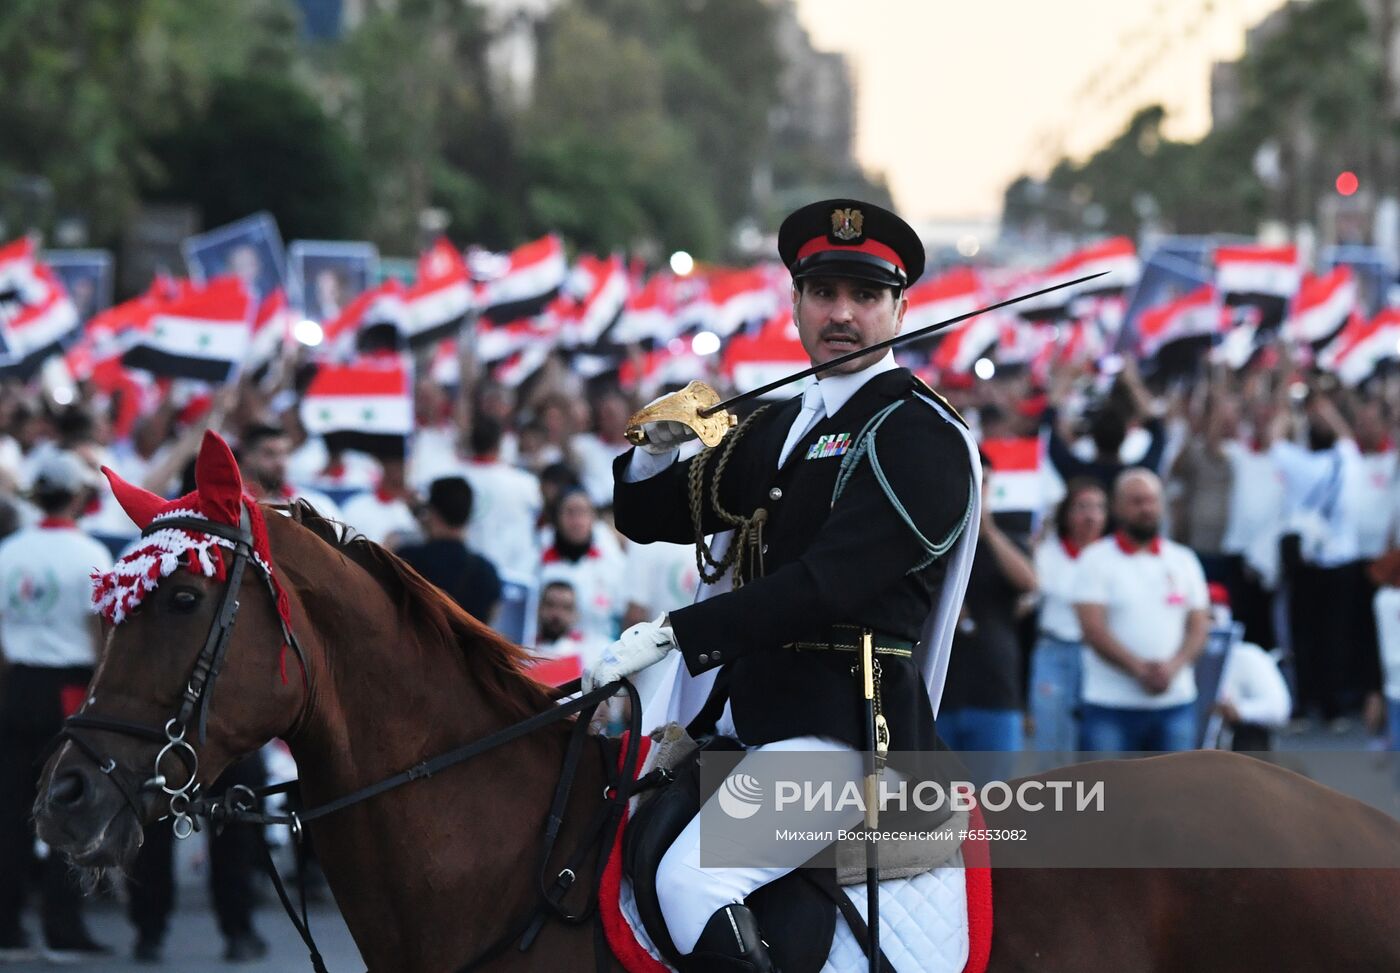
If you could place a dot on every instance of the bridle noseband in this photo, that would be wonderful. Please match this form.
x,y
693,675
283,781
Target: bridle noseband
x,y
199,688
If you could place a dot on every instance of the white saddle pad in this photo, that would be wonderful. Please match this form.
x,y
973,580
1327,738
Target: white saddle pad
x,y
923,924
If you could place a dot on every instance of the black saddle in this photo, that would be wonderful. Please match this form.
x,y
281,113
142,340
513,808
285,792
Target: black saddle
x,y
796,913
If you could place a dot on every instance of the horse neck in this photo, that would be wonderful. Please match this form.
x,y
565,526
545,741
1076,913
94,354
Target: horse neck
x,y
465,841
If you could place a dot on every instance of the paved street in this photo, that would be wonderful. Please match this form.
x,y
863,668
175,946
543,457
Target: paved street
x,y
194,943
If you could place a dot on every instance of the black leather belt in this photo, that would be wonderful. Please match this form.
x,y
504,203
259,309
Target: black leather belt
x,y
846,638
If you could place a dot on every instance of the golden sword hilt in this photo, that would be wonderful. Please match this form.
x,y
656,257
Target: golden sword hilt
x,y
684,407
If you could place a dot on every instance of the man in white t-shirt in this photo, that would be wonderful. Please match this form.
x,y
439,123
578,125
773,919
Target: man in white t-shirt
x,y
50,639
1143,606
507,502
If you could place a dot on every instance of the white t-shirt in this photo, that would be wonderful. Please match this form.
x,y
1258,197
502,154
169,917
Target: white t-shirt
x,y
1252,682
1056,571
1255,518
1148,598
379,519
506,504
1371,500
661,577
46,595
1321,481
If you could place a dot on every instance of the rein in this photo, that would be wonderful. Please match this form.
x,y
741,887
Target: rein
x,y
239,804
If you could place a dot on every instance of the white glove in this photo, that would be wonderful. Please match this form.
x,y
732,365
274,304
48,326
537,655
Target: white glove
x,y
644,644
665,435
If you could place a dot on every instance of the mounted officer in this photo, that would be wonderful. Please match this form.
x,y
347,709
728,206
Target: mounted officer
x,y
853,510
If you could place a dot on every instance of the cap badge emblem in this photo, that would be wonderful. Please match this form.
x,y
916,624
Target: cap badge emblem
x,y
846,223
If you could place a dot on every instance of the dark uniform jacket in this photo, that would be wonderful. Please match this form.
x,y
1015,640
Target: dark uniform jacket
x,y
824,563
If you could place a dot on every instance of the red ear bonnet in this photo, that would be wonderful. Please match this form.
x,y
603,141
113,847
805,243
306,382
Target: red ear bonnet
x,y
218,483
140,505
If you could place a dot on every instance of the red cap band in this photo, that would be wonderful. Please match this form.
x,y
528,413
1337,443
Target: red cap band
x,y
820,244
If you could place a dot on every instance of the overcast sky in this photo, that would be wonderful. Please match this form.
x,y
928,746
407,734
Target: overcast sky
x,y
957,97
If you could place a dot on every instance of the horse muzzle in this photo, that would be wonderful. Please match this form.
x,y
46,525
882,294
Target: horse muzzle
x,y
83,815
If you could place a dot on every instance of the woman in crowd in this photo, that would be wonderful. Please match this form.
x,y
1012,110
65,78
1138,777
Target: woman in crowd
x,y
1055,663
584,553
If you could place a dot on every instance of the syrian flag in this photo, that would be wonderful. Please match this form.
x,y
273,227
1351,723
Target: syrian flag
x,y
202,334
774,351
1323,307
1355,353
650,312
1241,341
1265,277
110,332
521,365
1117,257
651,370
37,317
381,306
272,327
602,294
366,405
734,298
533,275
1017,484
438,304
946,296
1196,317
967,342
1022,342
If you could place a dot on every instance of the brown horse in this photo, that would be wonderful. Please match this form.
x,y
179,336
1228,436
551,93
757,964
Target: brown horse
x,y
428,874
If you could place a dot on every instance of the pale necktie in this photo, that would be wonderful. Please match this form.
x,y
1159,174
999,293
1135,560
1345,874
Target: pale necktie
x,y
813,412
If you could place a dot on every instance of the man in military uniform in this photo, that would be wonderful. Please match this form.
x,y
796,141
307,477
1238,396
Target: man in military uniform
x,y
855,506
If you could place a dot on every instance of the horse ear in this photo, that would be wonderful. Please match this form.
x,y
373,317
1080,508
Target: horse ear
x,y
217,479
140,505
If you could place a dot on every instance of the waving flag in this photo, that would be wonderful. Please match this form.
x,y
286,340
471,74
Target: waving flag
x,y
1117,257
733,298
650,312
751,360
1194,316
1265,277
381,306
1361,346
946,296
967,342
602,292
202,333
36,315
1323,307
533,274
438,304
272,327
366,405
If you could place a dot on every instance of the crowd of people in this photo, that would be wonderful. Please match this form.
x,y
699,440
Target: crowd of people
x,y
1258,505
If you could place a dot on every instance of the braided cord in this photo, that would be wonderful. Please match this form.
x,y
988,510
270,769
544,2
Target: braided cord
x,y
748,531
865,445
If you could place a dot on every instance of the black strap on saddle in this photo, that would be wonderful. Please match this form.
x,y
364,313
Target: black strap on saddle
x,y
795,912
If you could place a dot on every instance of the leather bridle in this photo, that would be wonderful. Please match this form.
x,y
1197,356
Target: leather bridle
x,y
199,688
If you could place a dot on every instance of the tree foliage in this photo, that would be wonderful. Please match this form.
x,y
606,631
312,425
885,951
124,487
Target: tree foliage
x,y
644,127
1312,92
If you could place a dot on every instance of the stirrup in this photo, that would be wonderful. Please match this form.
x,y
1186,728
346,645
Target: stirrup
x,y
730,944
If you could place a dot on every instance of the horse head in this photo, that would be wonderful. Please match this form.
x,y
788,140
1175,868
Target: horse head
x,y
180,692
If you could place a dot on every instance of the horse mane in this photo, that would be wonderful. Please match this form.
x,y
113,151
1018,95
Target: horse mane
x,y
500,666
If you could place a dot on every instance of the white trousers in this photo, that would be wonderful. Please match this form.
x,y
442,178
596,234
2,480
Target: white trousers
x,y
690,893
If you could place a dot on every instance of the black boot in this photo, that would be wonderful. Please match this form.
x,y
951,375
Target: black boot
x,y
729,944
